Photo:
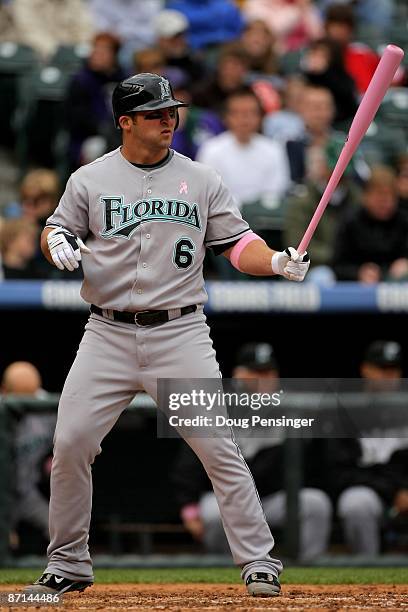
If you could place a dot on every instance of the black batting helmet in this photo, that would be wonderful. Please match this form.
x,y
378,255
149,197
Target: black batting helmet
x,y
144,91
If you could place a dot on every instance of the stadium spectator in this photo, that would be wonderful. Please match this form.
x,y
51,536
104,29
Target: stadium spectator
x,y
130,20
18,246
371,243
322,65
293,22
231,71
317,113
375,15
212,22
368,475
287,123
88,111
302,203
171,29
149,60
33,435
360,61
7,27
250,164
44,25
196,125
1,259
256,369
258,42
39,192
402,182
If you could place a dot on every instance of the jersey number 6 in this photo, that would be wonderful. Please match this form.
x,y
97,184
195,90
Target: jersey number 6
x,y
183,254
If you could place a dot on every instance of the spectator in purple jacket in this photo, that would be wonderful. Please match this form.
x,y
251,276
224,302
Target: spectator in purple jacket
x,y
88,108
196,124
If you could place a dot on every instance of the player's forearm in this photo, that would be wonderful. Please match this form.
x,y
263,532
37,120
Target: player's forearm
x,y
44,244
255,259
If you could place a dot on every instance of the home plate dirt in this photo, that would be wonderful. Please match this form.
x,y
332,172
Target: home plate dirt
x,y
226,598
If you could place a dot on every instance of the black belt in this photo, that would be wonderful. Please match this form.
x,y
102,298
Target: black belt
x,y
143,317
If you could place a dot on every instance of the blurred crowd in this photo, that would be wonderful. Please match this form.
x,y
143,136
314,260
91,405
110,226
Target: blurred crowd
x,y
273,86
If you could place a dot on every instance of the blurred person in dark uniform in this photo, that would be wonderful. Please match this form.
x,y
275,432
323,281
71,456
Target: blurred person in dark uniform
x,y
33,443
256,368
368,476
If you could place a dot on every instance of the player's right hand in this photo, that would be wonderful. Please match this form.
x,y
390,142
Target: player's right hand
x,y
65,248
290,264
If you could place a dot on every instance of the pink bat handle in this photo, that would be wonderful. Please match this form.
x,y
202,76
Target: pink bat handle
x,y
376,90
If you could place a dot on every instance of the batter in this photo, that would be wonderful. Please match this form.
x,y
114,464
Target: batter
x,y
140,218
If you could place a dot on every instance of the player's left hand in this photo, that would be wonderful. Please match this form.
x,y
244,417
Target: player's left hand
x,y
290,264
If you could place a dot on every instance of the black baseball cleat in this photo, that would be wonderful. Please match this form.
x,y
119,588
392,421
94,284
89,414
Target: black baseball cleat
x,y
51,584
261,584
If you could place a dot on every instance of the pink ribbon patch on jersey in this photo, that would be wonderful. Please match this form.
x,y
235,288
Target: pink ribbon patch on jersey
x,y
183,187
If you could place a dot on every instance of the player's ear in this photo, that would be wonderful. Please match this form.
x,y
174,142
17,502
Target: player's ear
x,y
125,122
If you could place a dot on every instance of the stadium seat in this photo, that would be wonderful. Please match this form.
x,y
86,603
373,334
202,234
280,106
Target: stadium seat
x,y
265,217
394,108
370,36
398,34
383,144
69,58
40,116
15,61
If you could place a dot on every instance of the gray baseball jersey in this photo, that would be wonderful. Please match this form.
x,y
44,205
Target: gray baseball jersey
x,y
147,229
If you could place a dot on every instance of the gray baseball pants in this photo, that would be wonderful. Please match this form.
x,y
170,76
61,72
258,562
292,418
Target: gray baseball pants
x,y
361,511
315,513
114,361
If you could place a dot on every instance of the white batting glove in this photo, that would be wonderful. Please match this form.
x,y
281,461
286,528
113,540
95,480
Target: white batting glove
x,y
290,264
65,248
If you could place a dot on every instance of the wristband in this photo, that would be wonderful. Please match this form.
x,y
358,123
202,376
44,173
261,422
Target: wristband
x,y
240,246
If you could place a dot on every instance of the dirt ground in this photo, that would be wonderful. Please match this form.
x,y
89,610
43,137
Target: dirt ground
x,y
225,598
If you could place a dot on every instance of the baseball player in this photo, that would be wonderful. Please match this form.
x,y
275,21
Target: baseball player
x,y
140,218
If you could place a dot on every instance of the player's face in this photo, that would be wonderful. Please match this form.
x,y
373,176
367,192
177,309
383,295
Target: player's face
x,y
155,127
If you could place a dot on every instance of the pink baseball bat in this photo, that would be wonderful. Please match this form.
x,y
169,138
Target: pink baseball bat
x,y
372,99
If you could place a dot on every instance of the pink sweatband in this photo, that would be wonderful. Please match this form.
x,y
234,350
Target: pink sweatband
x,y
240,246
190,512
